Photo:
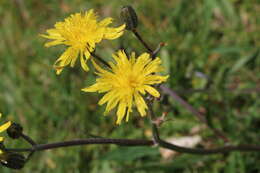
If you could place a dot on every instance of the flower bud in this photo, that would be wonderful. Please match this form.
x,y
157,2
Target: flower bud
x,y
15,131
129,16
13,160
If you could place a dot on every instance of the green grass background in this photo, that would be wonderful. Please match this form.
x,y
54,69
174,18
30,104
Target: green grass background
x,y
219,38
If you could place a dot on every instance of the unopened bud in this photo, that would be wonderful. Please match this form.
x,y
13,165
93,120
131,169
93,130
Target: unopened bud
x,y
15,131
13,160
129,16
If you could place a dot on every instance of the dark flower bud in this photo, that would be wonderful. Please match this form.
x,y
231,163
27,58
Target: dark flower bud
x,y
13,160
129,16
15,131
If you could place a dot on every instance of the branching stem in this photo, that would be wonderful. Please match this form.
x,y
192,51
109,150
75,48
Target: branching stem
x,y
198,151
190,108
137,142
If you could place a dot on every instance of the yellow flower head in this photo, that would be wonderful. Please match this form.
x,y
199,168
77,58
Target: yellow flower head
x,y
125,84
3,128
80,32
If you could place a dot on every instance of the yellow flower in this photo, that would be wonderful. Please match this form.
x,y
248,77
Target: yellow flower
x,y
127,81
3,128
80,32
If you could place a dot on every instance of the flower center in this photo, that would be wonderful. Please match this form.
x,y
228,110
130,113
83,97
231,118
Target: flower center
x,y
80,37
132,81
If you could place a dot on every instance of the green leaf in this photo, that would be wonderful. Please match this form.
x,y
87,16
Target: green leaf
x,y
243,61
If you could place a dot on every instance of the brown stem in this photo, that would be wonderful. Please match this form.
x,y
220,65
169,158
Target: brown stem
x,y
199,115
137,142
78,142
157,50
139,37
28,139
100,59
199,151
208,91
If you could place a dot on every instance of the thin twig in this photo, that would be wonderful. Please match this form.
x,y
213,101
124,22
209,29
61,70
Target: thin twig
x,y
236,91
157,50
199,115
28,139
176,97
137,142
139,37
100,59
78,142
199,151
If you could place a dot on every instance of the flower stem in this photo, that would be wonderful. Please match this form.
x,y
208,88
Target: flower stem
x,y
100,60
139,37
137,142
79,142
199,151
28,139
158,48
199,115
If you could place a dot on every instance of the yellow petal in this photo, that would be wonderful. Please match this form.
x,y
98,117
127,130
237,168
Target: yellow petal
x,y
90,15
129,107
92,88
58,71
121,112
83,62
53,43
127,114
5,126
97,67
140,104
66,57
141,62
53,34
113,33
70,55
155,79
152,91
111,104
108,96
105,21
153,66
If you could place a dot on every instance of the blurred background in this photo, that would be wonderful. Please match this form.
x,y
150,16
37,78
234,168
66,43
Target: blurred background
x,y
212,56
